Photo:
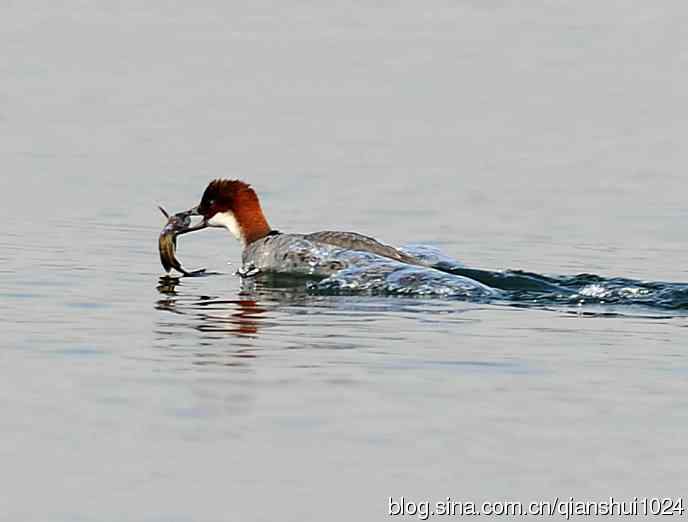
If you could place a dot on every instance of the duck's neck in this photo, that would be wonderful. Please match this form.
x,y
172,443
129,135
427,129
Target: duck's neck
x,y
250,220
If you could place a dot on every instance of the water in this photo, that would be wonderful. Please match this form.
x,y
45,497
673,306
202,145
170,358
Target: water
x,y
547,138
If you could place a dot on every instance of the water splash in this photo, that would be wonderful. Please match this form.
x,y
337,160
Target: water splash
x,y
401,279
445,277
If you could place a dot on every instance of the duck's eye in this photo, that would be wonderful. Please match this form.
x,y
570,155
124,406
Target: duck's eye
x,y
211,202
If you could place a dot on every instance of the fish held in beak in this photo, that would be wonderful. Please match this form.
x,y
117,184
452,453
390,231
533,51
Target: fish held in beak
x,y
177,224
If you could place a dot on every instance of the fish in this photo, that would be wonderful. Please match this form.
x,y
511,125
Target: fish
x,y
177,224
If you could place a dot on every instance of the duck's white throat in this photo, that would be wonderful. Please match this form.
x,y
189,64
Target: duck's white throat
x,y
228,220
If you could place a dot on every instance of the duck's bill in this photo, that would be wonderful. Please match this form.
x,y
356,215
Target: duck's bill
x,y
193,228
200,224
181,222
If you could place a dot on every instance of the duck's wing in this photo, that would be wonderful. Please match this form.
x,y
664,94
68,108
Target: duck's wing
x,y
354,241
508,280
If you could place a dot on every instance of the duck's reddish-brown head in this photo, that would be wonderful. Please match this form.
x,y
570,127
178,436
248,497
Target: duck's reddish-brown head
x,y
234,205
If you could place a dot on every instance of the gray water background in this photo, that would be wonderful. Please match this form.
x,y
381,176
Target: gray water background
x,y
547,136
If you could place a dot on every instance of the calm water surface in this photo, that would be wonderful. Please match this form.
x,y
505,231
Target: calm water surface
x,y
547,137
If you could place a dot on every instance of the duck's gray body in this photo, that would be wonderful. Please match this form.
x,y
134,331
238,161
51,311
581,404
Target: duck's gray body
x,y
330,254
319,254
